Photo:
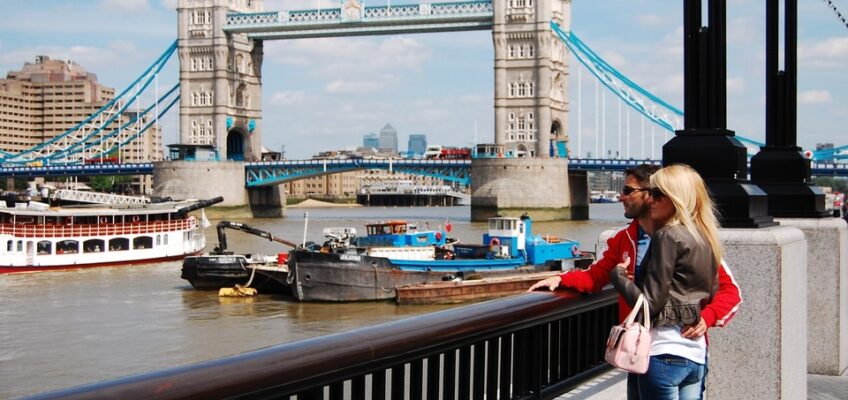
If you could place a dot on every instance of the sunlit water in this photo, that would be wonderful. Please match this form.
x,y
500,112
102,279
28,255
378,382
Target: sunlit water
x,y
67,328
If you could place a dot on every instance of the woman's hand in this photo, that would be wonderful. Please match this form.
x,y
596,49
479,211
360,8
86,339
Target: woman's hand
x,y
549,283
694,331
623,265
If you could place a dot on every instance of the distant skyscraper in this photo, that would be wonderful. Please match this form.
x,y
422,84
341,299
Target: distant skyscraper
x,y
371,140
417,144
388,138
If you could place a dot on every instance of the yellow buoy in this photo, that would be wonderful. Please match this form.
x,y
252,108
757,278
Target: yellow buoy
x,y
237,291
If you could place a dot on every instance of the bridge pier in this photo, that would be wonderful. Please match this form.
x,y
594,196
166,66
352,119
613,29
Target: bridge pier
x,y
537,186
208,179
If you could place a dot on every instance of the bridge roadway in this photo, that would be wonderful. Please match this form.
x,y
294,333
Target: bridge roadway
x,y
268,173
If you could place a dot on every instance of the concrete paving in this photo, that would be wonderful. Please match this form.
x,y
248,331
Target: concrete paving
x,y
613,386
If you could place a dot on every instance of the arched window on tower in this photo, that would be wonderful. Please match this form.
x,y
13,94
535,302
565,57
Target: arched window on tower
x,y
240,63
241,94
511,89
531,89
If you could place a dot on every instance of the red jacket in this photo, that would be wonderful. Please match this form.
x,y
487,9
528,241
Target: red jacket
x,y
725,302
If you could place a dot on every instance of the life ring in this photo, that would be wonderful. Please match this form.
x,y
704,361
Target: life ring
x,y
103,220
448,255
494,242
135,219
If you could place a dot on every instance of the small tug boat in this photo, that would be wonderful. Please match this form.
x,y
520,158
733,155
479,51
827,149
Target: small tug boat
x,y
222,268
370,268
35,236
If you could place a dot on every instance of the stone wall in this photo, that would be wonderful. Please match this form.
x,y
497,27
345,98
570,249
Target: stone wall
x,y
512,186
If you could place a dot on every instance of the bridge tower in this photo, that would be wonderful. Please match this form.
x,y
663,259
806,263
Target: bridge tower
x,y
531,107
221,107
220,80
531,116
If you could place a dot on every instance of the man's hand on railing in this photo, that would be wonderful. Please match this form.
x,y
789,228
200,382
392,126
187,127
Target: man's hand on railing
x,y
551,284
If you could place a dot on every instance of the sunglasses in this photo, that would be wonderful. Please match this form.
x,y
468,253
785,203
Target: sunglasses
x,y
627,190
656,193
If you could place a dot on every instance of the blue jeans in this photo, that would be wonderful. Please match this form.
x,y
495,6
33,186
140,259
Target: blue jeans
x,y
671,377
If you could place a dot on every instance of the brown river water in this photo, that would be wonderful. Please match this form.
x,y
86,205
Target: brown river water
x,y
68,328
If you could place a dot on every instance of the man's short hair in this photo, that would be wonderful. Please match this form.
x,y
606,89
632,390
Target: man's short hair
x,y
642,172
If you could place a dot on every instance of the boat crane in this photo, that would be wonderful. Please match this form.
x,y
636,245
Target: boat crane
x,y
222,235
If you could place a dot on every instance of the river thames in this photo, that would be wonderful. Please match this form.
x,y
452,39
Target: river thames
x,y
68,328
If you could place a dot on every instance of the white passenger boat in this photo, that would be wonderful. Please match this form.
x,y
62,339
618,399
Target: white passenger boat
x,y
37,237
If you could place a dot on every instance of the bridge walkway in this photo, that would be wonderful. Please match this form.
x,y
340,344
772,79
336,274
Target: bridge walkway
x,y
613,386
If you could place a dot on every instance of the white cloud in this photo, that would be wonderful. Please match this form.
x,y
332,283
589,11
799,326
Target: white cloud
x,y
830,53
735,86
650,20
288,98
125,5
814,97
745,31
353,87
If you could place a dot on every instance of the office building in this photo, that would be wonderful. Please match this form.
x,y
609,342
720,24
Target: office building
x,y
48,97
388,139
417,144
371,140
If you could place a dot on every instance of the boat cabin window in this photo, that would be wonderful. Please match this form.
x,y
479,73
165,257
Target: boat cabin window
x,y
143,242
9,245
93,246
20,245
44,247
119,244
165,238
158,239
67,247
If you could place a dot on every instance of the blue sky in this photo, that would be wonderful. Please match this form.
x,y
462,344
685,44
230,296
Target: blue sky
x,y
321,94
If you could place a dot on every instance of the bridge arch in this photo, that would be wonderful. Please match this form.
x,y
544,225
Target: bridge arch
x,y
236,144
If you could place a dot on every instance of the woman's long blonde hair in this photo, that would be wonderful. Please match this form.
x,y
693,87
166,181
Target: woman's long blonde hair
x,y
693,207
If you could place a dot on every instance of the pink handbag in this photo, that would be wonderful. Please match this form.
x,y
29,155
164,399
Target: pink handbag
x,y
629,344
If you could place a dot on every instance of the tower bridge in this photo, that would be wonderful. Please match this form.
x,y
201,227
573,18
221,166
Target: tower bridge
x,y
220,49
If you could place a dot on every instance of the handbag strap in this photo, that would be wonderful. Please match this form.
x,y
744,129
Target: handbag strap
x,y
642,303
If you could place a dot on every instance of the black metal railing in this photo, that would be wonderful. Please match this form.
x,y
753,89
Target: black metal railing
x,y
536,345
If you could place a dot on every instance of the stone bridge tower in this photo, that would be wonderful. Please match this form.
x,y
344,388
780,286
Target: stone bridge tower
x,y
531,108
531,116
220,80
220,106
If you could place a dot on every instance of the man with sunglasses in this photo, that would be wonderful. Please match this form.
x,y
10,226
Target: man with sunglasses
x,y
634,240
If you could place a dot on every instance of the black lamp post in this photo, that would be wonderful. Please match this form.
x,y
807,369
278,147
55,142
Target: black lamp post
x,y
705,143
779,168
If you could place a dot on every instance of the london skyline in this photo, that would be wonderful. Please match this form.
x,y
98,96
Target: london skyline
x,y
338,89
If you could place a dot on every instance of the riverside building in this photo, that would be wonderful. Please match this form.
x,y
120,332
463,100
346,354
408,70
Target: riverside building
x,y
46,98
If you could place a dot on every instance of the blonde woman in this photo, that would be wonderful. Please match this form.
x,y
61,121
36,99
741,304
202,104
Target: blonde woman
x,y
678,277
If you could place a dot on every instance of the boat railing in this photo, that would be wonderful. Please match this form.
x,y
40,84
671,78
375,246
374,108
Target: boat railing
x,y
104,229
535,345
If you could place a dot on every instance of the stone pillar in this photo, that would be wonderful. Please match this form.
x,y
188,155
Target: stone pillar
x,y
578,186
827,293
204,180
513,186
762,353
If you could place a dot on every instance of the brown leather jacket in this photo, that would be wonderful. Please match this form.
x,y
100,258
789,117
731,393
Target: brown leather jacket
x,y
678,277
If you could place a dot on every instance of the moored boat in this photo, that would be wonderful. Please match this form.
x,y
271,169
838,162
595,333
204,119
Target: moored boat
x,y
360,273
37,237
223,268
